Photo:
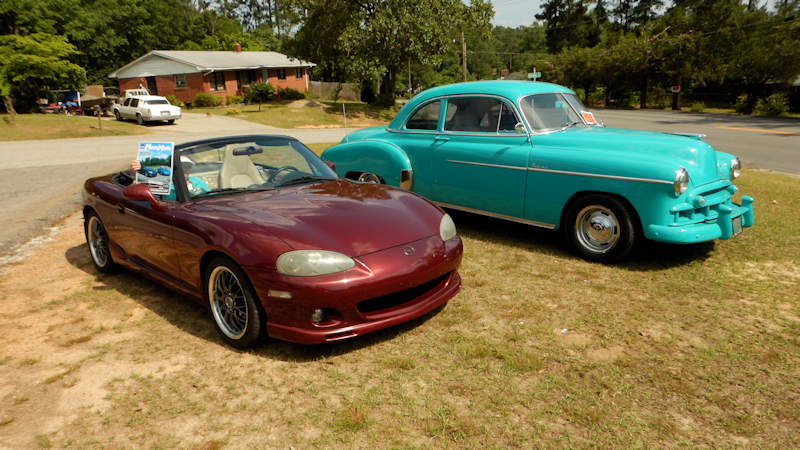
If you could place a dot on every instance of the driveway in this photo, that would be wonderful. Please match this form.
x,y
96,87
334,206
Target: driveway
x,y
40,181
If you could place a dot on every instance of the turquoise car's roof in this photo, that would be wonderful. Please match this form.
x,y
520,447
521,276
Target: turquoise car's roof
x,y
510,89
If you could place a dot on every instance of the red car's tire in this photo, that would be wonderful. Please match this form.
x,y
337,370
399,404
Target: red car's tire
x,y
235,308
97,240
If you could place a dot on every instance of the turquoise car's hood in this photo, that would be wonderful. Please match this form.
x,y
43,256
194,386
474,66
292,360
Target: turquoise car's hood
x,y
660,153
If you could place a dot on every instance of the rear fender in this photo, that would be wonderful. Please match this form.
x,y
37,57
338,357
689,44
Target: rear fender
x,y
379,157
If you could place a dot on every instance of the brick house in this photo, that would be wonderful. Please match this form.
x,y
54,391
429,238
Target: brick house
x,y
219,73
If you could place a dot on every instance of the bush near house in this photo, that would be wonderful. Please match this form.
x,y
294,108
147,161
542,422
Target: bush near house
x,y
175,101
204,100
260,93
290,94
234,99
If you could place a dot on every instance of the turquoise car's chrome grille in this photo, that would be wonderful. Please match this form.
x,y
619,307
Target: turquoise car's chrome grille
x,y
714,196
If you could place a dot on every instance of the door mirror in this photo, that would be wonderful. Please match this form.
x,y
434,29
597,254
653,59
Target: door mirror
x,y
330,164
140,192
519,127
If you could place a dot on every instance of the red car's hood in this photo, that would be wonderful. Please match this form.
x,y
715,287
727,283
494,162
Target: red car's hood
x,y
346,217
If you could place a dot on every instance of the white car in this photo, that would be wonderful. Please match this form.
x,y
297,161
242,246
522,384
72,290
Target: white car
x,y
147,108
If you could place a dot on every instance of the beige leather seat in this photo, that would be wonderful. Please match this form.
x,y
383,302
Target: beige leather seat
x,y
238,171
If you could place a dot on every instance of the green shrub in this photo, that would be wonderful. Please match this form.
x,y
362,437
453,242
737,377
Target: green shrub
x,y
290,94
175,101
232,111
203,99
234,99
697,107
260,93
774,105
743,105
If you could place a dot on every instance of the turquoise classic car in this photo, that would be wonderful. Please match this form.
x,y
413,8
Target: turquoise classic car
x,y
530,152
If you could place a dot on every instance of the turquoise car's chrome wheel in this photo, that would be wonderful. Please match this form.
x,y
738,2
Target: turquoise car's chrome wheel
x,y
368,177
234,304
597,229
601,228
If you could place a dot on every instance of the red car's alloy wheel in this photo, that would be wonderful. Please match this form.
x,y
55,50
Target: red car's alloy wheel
x,y
233,304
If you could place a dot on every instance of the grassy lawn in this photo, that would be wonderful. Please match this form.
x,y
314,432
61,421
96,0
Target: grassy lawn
x,y
680,346
318,114
59,126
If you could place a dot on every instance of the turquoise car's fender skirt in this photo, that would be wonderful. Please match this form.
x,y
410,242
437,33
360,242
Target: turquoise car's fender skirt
x,y
382,158
700,232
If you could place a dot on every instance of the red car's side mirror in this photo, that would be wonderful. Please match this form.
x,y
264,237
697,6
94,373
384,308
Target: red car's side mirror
x,y
330,164
140,192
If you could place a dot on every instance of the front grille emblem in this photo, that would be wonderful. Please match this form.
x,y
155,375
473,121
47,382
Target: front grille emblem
x,y
409,250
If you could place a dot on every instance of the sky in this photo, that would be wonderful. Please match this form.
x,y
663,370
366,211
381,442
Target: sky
x,y
513,13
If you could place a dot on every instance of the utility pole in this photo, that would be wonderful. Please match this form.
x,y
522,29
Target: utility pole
x,y
463,56
410,88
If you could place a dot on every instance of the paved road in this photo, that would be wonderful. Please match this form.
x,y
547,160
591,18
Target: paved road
x,y
765,143
40,180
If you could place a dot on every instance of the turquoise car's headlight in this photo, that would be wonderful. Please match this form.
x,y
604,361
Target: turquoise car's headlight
x,y
447,228
309,263
736,168
681,181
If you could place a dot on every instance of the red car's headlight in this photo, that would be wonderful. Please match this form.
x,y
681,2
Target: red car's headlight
x,y
309,263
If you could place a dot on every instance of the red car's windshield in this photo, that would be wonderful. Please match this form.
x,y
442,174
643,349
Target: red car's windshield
x,y
248,165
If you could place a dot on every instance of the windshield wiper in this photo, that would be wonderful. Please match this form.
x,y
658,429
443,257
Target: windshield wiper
x,y
570,125
304,179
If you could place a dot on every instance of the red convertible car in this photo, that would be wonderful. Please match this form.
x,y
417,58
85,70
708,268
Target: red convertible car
x,y
263,231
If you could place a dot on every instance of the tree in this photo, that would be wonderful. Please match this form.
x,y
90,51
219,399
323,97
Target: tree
x,y
376,39
36,62
567,24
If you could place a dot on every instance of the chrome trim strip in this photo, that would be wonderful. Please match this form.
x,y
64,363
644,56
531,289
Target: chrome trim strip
x,y
597,175
498,216
487,165
563,172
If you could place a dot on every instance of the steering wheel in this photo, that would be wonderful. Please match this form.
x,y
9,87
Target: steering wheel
x,y
279,170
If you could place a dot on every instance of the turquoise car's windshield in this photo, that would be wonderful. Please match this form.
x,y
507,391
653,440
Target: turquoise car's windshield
x,y
552,111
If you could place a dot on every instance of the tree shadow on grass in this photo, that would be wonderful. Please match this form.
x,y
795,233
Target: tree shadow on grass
x,y
648,256
192,317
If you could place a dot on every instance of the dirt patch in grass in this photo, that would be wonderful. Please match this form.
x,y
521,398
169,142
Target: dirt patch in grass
x,y
680,345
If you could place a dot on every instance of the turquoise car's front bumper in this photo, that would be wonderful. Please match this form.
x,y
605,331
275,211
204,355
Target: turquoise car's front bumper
x,y
720,228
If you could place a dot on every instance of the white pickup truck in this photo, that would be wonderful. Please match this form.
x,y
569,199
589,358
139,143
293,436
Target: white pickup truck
x,y
147,108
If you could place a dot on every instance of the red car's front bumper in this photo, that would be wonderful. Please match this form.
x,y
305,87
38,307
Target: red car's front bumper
x,y
384,289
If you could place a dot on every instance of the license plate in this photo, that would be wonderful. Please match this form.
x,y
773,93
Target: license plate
x,y
164,113
737,226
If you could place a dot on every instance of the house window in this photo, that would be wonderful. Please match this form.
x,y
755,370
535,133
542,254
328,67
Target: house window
x,y
281,74
180,80
298,72
217,81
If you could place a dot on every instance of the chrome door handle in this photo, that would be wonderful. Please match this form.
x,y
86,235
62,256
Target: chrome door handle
x,y
441,138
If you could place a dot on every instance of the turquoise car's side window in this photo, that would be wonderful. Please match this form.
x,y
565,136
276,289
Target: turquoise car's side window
x,y
479,114
425,118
